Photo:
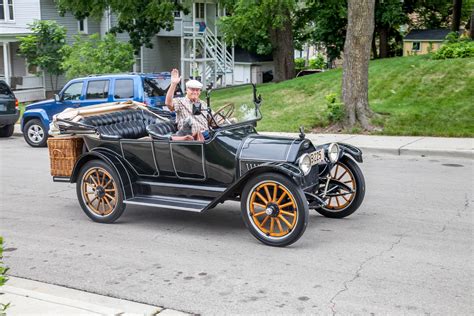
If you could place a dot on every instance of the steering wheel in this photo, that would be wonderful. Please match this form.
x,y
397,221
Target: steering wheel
x,y
224,113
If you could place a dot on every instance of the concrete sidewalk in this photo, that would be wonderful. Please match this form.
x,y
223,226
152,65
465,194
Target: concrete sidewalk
x,y
27,297
393,145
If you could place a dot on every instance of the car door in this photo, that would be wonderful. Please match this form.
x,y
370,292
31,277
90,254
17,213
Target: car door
x,y
97,91
188,159
70,97
7,99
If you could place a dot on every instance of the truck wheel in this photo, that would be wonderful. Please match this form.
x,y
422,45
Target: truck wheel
x,y
7,130
35,133
274,209
99,192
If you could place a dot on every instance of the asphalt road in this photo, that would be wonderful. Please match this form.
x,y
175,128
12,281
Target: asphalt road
x,y
407,250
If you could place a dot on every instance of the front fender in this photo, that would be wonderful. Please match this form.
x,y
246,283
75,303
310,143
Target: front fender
x,y
125,177
284,168
37,114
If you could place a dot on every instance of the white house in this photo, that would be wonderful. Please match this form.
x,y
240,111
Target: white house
x,y
194,46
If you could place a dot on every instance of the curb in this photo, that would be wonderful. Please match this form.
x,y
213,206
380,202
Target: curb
x,y
27,296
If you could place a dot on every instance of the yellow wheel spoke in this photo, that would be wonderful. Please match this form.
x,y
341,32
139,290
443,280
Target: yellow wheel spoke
x,y
110,196
109,190
259,205
275,190
286,204
272,224
337,201
261,197
264,221
279,225
108,182
288,213
281,198
286,222
108,203
93,180
259,213
267,192
342,175
335,173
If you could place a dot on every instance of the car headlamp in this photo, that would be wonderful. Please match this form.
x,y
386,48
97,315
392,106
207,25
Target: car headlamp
x,y
333,152
305,164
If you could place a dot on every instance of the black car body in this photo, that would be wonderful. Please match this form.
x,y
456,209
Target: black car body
x,y
9,112
130,158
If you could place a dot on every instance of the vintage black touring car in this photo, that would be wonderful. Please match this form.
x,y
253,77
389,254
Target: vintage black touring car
x,y
127,156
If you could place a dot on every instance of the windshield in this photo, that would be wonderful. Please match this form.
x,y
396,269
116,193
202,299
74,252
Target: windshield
x,y
234,106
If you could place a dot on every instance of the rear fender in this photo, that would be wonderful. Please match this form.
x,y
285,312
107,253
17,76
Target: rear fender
x,y
283,168
125,177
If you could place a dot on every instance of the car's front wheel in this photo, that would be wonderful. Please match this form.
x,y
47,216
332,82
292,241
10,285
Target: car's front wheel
x,y
35,133
7,130
346,190
274,209
99,192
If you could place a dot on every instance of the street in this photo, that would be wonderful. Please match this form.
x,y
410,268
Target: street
x,y
408,249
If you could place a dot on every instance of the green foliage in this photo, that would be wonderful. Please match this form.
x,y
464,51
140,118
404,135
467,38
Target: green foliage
x,y
142,19
317,62
3,276
91,55
45,48
335,110
299,63
250,22
455,47
417,96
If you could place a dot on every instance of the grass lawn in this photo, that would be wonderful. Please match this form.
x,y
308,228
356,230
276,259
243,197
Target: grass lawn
x,y
415,95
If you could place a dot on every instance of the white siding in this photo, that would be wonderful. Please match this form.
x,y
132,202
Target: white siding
x,y
164,56
25,12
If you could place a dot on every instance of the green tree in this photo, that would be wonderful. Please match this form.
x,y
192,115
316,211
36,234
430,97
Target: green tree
x,y
389,16
92,55
45,48
141,19
264,26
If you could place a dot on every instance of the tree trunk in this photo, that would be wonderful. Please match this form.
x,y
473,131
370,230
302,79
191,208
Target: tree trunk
x,y
457,6
383,31
283,52
374,47
355,78
471,29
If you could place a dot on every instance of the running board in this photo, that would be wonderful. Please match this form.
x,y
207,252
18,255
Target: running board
x,y
176,203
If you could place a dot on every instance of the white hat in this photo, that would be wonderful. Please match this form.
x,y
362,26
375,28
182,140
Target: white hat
x,y
194,84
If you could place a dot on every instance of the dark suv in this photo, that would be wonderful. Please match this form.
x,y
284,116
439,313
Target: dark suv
x,y
146,88
8,110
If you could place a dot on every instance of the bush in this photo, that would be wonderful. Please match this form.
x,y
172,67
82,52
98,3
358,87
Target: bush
x,y
455,47
317,63
299,63
3,277
335,110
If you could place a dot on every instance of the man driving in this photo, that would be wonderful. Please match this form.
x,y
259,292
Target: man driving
x,y
184,107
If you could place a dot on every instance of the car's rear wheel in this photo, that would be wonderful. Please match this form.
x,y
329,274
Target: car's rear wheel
x,y
35,133
99,192
7,130
274,209
344,199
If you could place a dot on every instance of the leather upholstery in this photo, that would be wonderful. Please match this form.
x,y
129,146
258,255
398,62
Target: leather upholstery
x,y
162,130
129,124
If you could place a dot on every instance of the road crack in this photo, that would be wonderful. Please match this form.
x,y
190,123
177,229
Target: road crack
x,y
458,213
357,274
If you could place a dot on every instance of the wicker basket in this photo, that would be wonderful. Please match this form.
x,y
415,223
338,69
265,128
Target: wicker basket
x,y
63,154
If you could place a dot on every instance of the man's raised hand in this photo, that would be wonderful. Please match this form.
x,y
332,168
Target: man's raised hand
x,y
175,78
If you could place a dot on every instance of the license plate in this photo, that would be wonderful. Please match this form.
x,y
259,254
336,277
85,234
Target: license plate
x,y
3,107
317,157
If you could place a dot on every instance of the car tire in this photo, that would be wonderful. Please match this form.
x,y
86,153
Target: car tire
x,y
348,204
7,130
276,218
35,133
99,192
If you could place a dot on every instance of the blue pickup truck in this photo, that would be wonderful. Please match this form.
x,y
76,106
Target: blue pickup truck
x,y
147,88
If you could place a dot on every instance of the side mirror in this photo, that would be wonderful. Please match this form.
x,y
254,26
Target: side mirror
x,y
197,108
57,98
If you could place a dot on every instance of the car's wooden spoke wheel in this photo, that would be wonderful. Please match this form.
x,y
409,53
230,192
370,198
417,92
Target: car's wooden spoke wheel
x,y
273,209
99,191
339,198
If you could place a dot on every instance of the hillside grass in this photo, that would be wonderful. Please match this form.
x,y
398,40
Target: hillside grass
x,y
413,95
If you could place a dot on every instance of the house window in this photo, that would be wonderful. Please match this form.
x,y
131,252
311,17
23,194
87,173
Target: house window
x,y
82,26
415,46
6,10
177,14
199,7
